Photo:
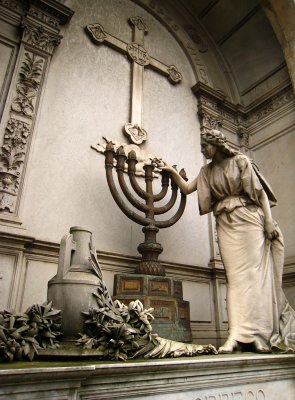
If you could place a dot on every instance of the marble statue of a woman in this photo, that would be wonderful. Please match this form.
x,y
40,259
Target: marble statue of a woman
x,y
250,243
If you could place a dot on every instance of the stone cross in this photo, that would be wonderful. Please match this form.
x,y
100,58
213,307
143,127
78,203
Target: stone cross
x,y
140,59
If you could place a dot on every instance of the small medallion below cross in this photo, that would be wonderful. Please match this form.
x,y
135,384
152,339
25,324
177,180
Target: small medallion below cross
x,y
140,59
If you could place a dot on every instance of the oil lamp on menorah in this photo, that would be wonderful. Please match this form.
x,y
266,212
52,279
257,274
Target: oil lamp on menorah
x,y
149,283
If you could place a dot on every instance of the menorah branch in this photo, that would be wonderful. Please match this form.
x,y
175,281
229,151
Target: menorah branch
x,y
168,206
176,217
109,174
149,249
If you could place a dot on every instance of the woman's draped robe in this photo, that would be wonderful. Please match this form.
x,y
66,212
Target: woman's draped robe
x,y
257,307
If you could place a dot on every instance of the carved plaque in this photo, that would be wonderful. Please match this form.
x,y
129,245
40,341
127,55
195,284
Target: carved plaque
x,y
160,286
163,310
130,285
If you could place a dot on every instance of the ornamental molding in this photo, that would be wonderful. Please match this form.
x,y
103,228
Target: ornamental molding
x,y
14,5
272,104
214,110
39,38
54,9
43,17
50,12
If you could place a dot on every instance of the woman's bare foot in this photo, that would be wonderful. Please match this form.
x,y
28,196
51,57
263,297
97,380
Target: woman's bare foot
x,y
229,347
261,348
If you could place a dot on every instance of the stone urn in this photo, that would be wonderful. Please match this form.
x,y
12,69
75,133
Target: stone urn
x,y
70,290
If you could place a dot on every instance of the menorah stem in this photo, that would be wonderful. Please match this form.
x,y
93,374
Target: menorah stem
x,y
149,190
150,250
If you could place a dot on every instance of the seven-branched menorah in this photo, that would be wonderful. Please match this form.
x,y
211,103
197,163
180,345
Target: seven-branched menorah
x,y
149,249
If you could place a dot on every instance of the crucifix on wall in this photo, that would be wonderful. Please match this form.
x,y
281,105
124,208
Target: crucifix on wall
x,y
140,59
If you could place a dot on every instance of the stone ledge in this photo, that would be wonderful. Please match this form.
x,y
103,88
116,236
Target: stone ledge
x,y
222,377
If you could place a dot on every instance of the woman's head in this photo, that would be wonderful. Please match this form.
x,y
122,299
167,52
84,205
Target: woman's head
x,y
215,139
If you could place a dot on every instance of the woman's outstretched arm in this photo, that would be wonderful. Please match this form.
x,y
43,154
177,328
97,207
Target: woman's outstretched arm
x,y
184,186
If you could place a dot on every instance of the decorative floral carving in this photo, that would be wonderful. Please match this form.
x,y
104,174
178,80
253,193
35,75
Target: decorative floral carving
x,y
36,40
244,136
209,122
38,37
272,105
204,101
28,84
228,116
12,157
12,153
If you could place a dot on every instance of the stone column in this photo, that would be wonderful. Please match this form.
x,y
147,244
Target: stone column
x,y
281,14
40,27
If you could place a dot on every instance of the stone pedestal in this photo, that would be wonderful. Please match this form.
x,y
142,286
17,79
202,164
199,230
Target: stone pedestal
x,y
233,377
164,294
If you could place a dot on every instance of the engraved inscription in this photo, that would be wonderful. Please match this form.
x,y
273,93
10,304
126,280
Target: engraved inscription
x,y
235,395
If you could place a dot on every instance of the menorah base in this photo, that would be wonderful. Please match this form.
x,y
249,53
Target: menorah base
x,y
150,268
164,294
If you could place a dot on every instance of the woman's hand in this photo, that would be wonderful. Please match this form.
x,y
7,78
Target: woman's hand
x,y
161,164
270,230
179,178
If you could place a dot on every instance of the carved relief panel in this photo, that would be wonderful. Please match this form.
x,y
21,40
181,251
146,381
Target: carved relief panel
x,y
40,36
